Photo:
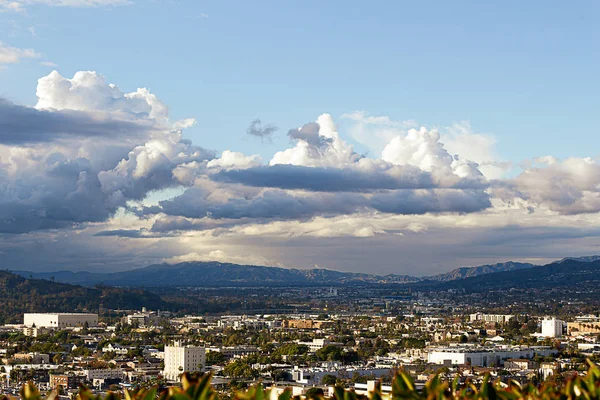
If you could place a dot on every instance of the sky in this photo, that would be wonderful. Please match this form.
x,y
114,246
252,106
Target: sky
x,y
383,137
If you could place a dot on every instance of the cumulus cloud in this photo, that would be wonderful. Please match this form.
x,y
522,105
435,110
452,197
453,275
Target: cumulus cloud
x,y
318,144
423,149
458,140
257,129
570,186
150,167
58,166
88,91
234,160
14,55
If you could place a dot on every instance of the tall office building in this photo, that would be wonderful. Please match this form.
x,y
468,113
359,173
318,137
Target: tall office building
x,y
552,327
180,359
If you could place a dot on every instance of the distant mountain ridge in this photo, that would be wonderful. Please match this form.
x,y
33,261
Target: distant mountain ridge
x,y
574,272
226,274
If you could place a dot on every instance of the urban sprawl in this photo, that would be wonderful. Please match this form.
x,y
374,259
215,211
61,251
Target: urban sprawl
x,y
321,340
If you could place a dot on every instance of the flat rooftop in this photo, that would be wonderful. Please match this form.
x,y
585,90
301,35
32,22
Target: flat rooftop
x,y
59,313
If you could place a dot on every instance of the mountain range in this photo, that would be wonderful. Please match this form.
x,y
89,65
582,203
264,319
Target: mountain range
x,y
225,274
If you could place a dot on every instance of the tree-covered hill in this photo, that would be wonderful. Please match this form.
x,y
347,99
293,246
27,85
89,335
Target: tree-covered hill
x,y
19,295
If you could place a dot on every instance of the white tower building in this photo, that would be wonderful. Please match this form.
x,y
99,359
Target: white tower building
x,y
180,359
552,327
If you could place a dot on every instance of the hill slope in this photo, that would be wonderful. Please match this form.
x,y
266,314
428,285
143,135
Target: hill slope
x,y
567,273
467,272
19,295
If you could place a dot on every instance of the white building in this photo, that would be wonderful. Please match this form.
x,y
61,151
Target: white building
x,y
115,348
483,356
318,344
180,359
552,327
59,320
314,376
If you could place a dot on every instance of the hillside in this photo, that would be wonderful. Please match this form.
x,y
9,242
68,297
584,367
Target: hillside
x,y
567,273
19,295
467,272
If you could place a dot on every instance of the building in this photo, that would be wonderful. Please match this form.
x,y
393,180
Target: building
x,y
59,320
483,356
235,351
32,358
106,373
552,327
583,327
520,364
314,376
66,381
318,344
306,324
33,331
496,318
115,348
180,359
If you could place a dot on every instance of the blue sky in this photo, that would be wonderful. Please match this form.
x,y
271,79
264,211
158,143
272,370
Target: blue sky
x,y
504,83
524,71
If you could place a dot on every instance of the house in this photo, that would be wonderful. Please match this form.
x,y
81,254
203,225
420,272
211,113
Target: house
x,y
115,348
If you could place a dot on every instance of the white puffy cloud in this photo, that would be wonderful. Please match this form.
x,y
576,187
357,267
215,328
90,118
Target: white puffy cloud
x,y
318,144
570,186
150,166
88,91
459,140
422,148
14,55
234,160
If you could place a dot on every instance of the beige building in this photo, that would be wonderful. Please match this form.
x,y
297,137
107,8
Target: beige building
x,y
574,328
306,324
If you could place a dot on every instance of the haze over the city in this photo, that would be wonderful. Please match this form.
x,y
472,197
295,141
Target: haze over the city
x,y
380,138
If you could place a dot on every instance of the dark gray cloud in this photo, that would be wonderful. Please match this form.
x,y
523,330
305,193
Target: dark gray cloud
x,y
428,201
66,192
325,179
257,129
310,134
281,205
21,125
128,233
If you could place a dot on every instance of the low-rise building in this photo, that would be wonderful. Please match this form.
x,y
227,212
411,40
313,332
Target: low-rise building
x,y
59,320
483,356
